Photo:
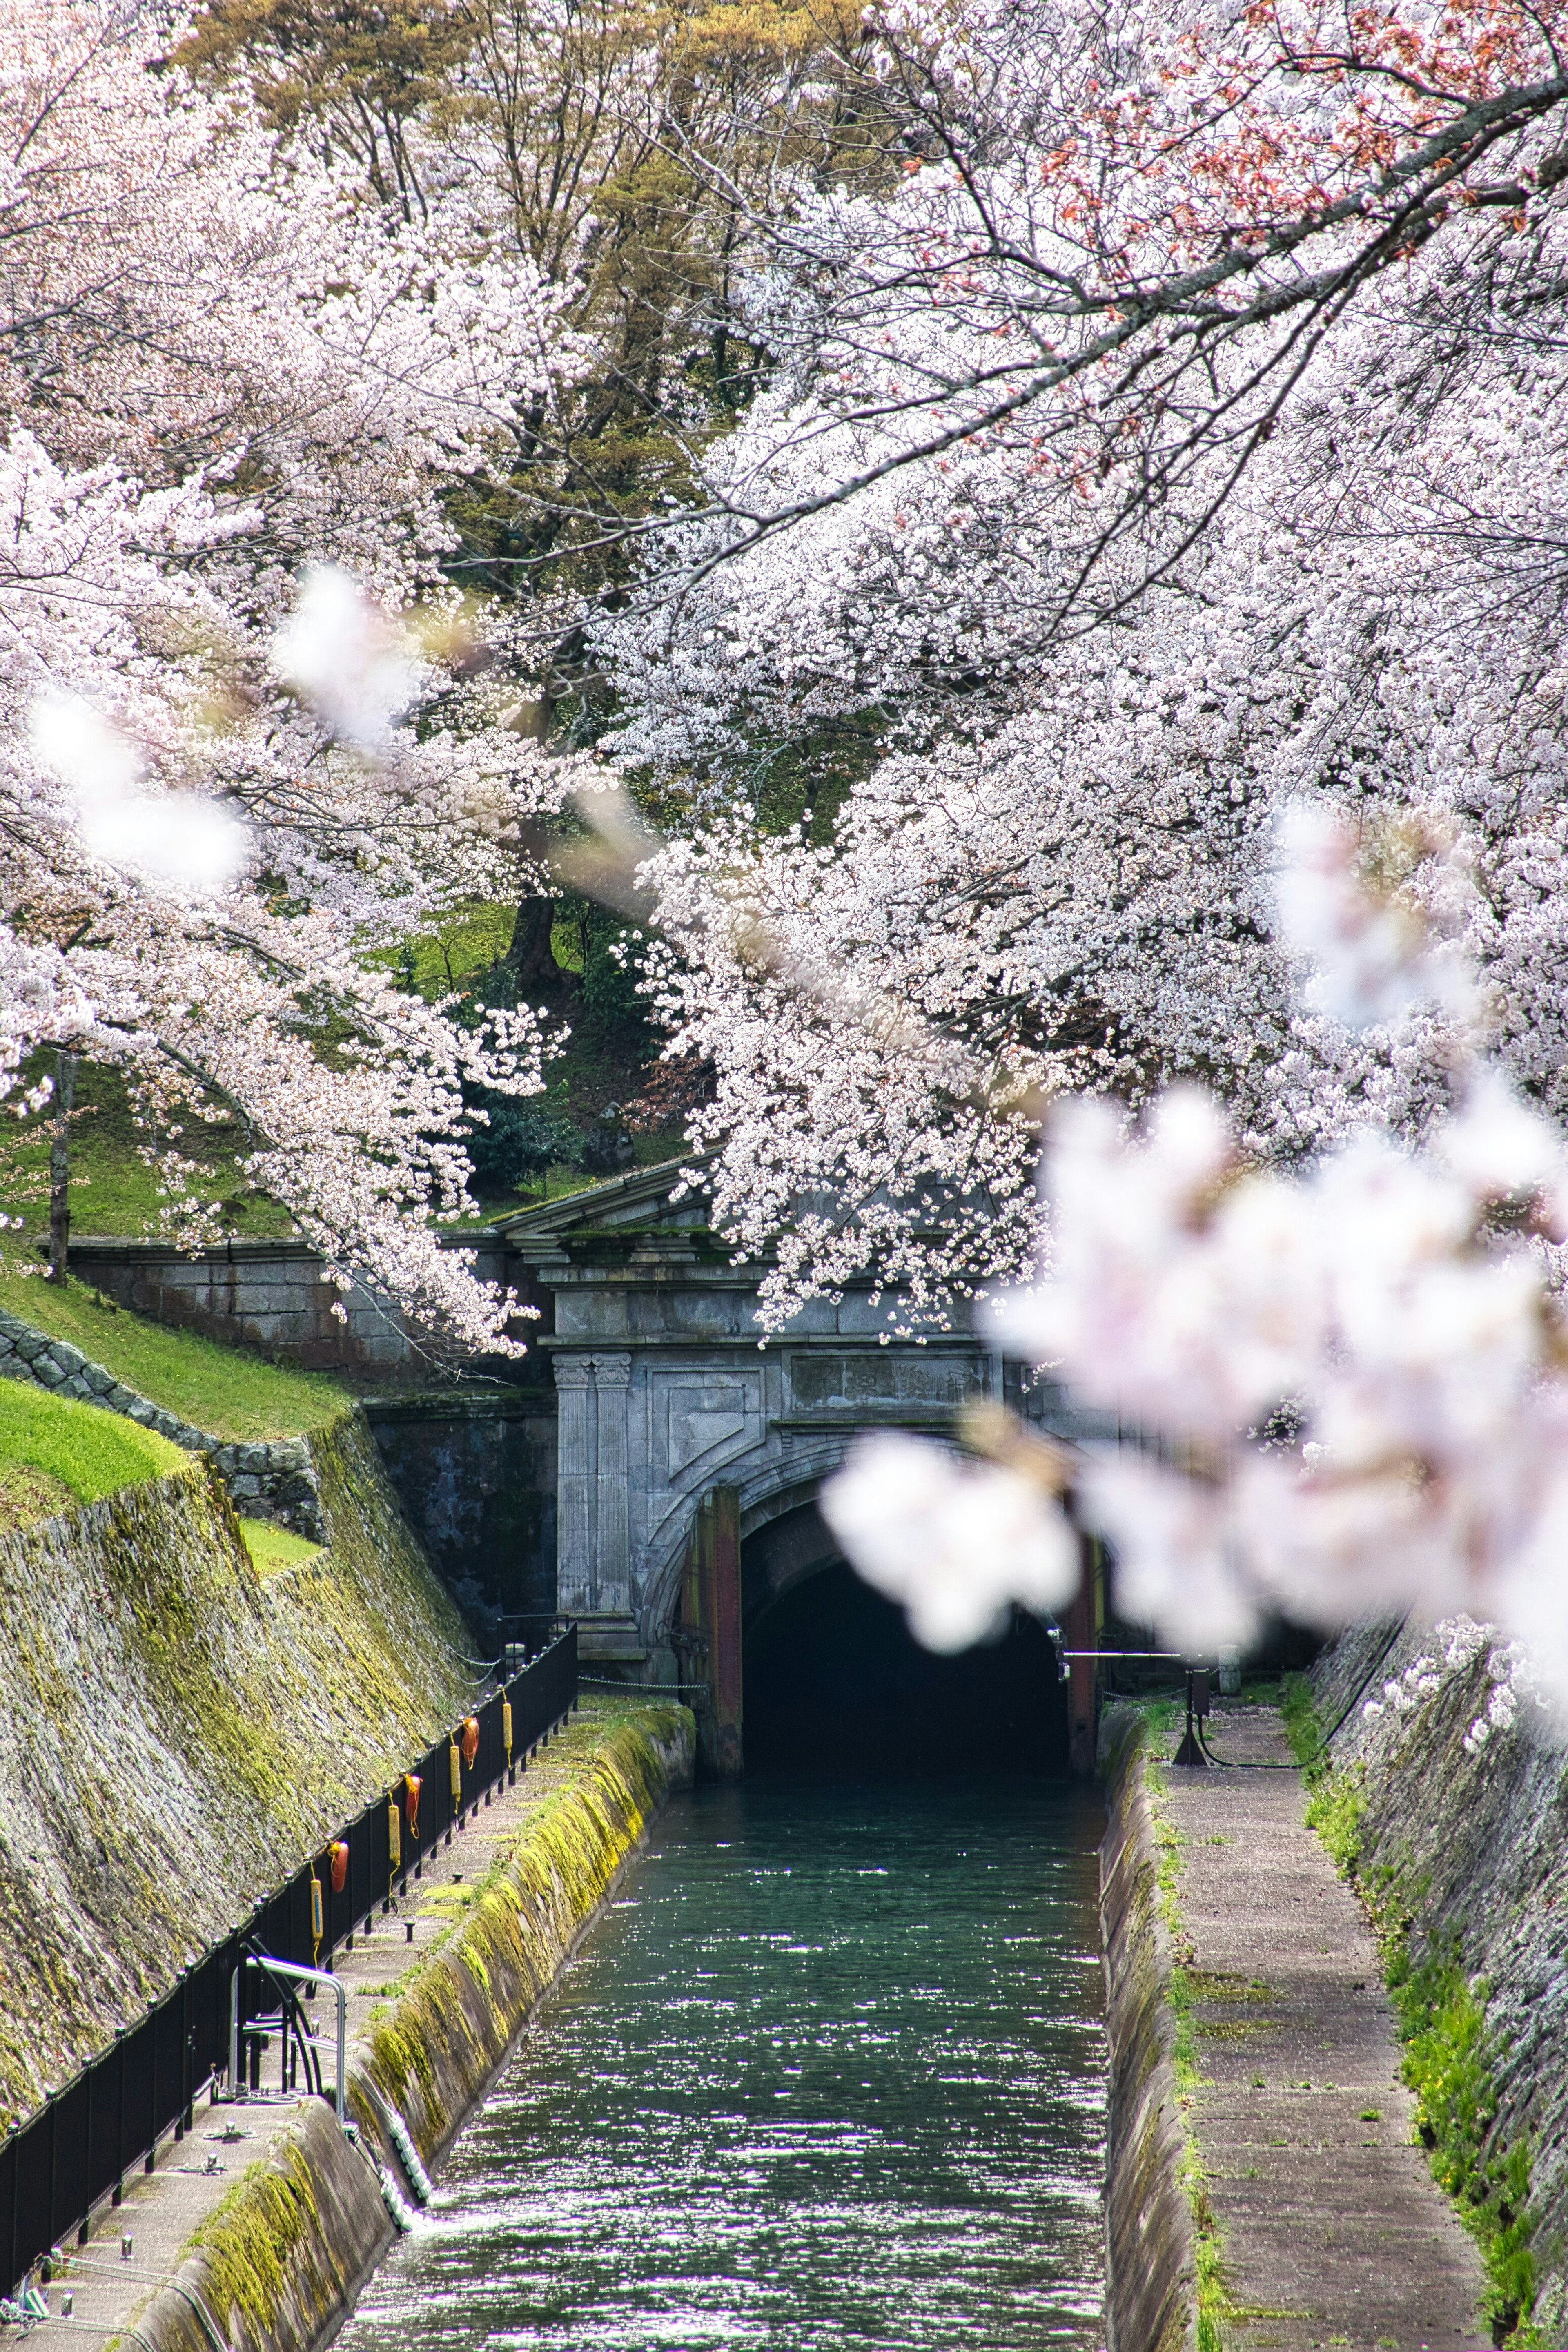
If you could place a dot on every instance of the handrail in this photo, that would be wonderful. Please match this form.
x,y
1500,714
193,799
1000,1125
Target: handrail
x,y
76,2149
271,1966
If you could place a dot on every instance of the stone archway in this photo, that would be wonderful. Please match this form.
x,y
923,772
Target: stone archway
x,y
678,1427
665,1394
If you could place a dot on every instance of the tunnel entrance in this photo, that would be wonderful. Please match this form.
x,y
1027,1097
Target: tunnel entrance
x,y
837,1688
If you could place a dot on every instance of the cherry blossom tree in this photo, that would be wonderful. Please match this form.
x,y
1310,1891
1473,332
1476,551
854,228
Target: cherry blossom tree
x,y
1339,1392
1097,649
225,367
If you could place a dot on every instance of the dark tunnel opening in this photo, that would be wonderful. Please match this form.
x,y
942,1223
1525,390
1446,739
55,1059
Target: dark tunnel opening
x,y
836,1686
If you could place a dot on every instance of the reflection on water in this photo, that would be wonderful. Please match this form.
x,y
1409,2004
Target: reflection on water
x,y
830,2074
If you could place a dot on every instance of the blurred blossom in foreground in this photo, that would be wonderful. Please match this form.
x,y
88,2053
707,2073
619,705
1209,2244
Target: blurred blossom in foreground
x,y
1343,904
1349,1388
340,653
958,1542
181,840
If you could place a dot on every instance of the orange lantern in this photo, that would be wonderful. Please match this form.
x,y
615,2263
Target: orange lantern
x,y
338,1856
411,1785
470,1740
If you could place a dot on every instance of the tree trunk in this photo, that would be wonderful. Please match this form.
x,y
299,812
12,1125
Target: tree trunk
x,y
60,1165
528,955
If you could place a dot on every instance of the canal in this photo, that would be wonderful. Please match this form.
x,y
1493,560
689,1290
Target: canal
x,y
828,2077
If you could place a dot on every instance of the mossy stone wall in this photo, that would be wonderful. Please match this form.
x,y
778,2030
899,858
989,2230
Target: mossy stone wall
x,y
177,1734
280,2262
1470,1846
1150,2285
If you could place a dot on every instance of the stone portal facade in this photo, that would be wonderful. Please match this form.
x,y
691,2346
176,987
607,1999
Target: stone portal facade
x,y
665,1393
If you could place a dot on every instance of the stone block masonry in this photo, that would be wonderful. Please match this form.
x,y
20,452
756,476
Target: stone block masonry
x,y
272,1296
178,1733
1461,1838
272,1480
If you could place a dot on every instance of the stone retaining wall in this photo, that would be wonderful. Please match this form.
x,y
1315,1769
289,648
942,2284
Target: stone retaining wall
x,y
272,1296
178,1733
1150,2286
1469,1836
475,1474
273,1478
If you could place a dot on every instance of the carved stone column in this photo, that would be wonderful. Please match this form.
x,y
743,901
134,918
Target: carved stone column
x,y
613,1543
574,1486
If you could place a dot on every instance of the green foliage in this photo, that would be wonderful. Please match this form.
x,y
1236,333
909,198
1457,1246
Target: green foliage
x,y
524,1138
1449,2057
227,1391
612,970
1335,1808
1303,1726
79,1447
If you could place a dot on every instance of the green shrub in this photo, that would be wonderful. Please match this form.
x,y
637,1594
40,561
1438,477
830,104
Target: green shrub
x,y
522,1140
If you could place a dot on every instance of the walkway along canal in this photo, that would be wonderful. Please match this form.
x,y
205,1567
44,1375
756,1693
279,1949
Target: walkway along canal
x,y
829,2074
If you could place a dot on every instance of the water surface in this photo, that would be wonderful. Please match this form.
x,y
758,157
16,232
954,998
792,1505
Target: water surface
x,y
828,2077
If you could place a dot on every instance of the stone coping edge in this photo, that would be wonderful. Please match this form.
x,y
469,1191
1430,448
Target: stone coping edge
x,y
1151,2301
280,2264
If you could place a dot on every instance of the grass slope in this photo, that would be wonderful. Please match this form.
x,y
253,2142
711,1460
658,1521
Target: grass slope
x,y
272,1549
113,1191
54,1453
224,1390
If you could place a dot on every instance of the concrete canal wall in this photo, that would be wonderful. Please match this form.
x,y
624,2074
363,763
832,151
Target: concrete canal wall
x,y
277,2267
1149,2259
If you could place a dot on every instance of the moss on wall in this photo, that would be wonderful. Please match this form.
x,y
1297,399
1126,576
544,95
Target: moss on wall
x,y
280,2260
1458,1854
1153,2231
177,1734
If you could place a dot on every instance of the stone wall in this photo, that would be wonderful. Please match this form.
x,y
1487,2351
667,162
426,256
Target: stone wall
x,y
271,1479
475,1474
1149,2265
1471,1839
177,1733
267,1295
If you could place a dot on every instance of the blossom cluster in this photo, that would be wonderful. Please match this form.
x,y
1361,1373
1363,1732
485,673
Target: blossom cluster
x,y
1079,716
1341,1391
233,783
1459,1640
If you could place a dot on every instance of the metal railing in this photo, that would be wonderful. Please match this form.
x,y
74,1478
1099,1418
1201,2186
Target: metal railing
x,y
78,2148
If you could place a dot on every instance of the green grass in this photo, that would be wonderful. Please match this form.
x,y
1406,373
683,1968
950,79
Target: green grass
x,y
1303,1725
113,1191
274,1550
77,1448
233,1394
